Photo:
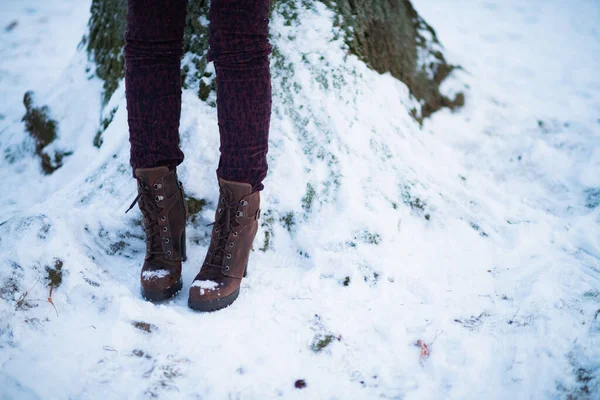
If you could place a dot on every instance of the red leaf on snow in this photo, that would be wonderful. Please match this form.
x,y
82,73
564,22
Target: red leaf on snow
x,y
424,349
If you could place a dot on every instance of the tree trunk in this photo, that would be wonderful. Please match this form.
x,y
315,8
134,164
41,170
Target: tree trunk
x,y
388,35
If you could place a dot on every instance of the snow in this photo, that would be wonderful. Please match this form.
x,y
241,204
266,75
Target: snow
x,y
157,274
205,284
505,272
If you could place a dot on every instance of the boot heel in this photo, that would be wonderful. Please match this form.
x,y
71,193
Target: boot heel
x,y
183,247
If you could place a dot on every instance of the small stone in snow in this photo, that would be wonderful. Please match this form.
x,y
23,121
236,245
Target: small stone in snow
x,y
300,384
12,25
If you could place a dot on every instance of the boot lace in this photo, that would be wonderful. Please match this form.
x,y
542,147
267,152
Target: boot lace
x,y
150,210
225,223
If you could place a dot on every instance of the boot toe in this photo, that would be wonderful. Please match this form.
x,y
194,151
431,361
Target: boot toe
x,y
207,290
160,284
211,296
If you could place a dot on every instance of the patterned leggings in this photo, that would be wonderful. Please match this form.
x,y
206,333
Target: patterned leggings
x,y
239,47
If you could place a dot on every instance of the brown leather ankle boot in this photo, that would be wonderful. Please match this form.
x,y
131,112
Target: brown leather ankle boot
x,y
217,285
161,200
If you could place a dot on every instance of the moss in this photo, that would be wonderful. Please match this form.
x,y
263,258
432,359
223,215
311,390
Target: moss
x,y
390,36
593,293
116,248
372,278
204,90
195,206
309,197
288,221
320,342
414,202
54,273
103,126
478,229
8,289
267,225
140,353
144,326
38,123
52,163
43,129
266,242
303,253
105,42
368,237
592,198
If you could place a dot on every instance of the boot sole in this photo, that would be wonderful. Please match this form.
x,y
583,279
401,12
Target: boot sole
x,y
160,295
214,305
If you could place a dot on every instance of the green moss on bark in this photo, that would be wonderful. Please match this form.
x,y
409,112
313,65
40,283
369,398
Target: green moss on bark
x,y
390,36
106,38
105,42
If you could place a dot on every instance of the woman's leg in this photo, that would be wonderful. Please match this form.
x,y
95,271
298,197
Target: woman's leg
x,y
239,47
153,47
153,50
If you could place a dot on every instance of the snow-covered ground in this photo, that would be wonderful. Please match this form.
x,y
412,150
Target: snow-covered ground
x,y
477,234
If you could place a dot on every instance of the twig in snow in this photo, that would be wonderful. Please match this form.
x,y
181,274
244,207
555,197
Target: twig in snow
x,y
50,299
21,300
437,335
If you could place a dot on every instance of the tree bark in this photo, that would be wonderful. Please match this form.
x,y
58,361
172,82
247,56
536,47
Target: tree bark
x,y
388,35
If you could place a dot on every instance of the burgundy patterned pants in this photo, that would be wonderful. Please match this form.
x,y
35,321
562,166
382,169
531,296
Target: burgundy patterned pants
x,y
239,47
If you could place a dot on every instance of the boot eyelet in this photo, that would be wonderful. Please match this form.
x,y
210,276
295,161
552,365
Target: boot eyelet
x,y
244,203
158,198
165,229
228,256
163,218
231,244
168,252
166,240
234,234
239,214
220,211
226,268
223,200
